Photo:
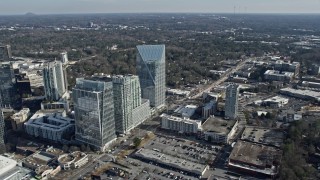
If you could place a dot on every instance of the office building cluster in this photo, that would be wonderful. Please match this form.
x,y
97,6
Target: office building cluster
x,y
97,109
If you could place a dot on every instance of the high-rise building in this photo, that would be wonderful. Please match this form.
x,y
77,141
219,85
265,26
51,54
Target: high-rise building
x,y
5,53
2,145
152,73
54,80
231,105
7,87
94,111
127,103
64,57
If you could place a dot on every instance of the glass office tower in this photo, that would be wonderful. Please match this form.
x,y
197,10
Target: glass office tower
x,y
152,73
94,111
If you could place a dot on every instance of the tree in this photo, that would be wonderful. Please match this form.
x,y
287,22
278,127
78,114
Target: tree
x,y
65,148
136,142
268,115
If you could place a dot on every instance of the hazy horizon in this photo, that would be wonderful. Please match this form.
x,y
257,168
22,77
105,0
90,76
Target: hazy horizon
x,y
47,7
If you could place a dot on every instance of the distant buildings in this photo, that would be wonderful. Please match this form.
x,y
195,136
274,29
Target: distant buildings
x,y
231,105
275,102
286,66
50,124
64,57
127,103
301,94
7,81
5,53
273,75
54,81
2,145
94,111
181,125
152,73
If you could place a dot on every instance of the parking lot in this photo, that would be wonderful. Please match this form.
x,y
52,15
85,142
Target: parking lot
x,y
188,150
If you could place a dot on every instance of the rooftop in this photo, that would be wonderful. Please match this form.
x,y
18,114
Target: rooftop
x,y
277,99
186,111
172,161
263,135
218,125
6,164
151,52
254,156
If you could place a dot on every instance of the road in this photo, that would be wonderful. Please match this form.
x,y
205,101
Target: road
x,y
90,166
222,79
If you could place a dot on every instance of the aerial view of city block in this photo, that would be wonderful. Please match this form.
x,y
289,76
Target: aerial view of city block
x,y
157,90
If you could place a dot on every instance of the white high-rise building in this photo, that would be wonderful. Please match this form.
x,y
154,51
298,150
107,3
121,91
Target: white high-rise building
x,y
54,81
128,102
231,105
152,73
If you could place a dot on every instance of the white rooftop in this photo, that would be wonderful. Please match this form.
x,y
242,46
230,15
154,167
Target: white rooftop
x,y
6,164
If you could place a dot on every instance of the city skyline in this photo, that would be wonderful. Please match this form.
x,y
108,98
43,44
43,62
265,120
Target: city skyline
x,y
13,7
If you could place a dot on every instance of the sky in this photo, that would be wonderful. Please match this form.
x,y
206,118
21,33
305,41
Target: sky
x,y
11,7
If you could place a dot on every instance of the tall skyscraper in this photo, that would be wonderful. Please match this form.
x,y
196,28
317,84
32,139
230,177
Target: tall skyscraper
x,y
231,106
54,80
7,84
127,103
2,145
94,111
152,73
5,53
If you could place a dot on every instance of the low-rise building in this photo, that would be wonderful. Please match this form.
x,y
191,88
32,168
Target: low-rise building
x,y
10,171
171,161
218,130
19,118
185,111
178,92
181,125
50,124
273,75
255,159
275,102
301,94
73,160
311,84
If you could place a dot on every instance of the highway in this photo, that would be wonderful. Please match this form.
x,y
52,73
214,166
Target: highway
x,y
222,79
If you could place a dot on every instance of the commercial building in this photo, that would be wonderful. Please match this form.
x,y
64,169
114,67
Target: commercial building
x,y
231,105
181,125
273,75
19,118
94,111
311,84
275,102
255,159
127,100
73,160
152,73
2,145
281,65
185,111
54,80
7,81
173,162
50,124
301,94
10,171
178,92
218,130
5,53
